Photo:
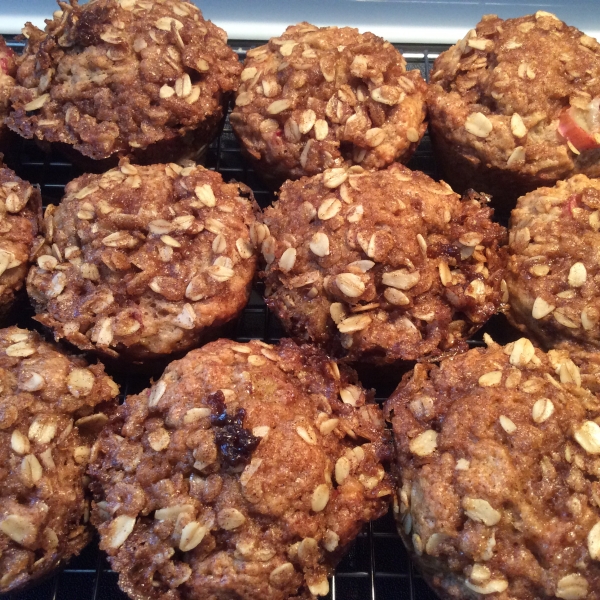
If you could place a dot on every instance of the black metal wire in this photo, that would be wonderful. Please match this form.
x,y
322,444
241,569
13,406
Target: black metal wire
x,y
377,567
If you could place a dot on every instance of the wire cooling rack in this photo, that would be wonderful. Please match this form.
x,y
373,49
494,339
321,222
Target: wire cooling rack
x,y
377,566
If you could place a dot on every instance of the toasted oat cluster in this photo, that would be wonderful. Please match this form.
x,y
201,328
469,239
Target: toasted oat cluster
x,y
553,276
20,217
123,76
514,105
587,362
47,425
245,471
7,81
142,262
316,98
499,494
381,266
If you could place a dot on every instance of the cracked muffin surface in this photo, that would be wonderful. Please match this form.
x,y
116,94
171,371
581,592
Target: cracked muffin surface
x,y
496,452
245,471
514,106
21,214
48,421
316,98
143,262
144,78
381,266
552,276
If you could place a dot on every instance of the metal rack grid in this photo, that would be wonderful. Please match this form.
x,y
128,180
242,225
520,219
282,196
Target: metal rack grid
x,y
377,566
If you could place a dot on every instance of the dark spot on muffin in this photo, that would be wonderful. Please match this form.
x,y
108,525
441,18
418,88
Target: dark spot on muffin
x,y
235,443
90,26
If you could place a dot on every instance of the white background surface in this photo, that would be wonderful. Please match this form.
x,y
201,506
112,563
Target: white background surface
x,y
408,21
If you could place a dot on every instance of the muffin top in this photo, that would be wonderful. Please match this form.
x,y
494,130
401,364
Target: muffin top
x,y
114,76
314,98
142,261
47,425
497,452
21,214
381,266
553,277
245,471
528,87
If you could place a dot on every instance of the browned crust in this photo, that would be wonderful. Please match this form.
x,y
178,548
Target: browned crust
x,y
143,262
495,442
348,96
400,222
552,270
124,54
307,414
43,457
533,66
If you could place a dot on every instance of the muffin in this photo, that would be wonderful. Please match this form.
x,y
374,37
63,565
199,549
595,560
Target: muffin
x,y
514,106
317,98
382,266
47,425
143,262
149,79
497,453
553,277
218,481
7,82
21,213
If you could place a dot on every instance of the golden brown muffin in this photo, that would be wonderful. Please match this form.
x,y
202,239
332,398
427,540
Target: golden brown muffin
x,y
21,214
316,98
553,278
144,78
7,82
381,266
497,453
143,262
47,425
514,106
244,472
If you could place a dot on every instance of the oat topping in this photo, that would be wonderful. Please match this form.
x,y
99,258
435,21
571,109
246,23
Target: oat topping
x,y
119,76
316,98
241,466
506,500
552,267
20,216
46,431
514,106
144,261
414,276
